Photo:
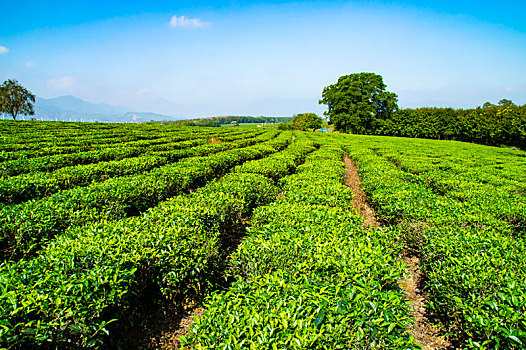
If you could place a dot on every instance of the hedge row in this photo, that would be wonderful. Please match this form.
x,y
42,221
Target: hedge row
x,y
86,279
17,189
24,227
57,140
309,275
283,163
93,274
119,151
467,221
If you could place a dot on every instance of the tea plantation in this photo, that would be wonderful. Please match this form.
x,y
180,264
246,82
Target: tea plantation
x,y
256,225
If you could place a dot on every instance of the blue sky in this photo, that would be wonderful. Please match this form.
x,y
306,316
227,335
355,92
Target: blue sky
x,y
203,58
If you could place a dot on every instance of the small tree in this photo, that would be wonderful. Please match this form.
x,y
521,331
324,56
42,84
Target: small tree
x,y
15,99
505,102
359,103
488,105
306,121
285,126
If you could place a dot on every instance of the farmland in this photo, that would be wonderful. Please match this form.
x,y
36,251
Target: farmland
x,y
257,227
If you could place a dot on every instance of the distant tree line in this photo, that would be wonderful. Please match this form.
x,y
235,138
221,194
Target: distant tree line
x,y
503,124
359,103
218,121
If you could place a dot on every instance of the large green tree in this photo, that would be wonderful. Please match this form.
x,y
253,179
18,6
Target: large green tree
x,y
359,103
15,99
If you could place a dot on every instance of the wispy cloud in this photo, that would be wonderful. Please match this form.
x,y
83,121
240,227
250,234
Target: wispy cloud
x,y
182,21
3,50
62,83
31,64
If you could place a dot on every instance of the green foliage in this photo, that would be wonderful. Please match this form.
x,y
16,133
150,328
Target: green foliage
x,y
103,267
283,163
308,275
358,103
303,122
36,184
306,121
25,226
506,102
89,276
286,126
15,99
25,139
466,215
112,228
491,125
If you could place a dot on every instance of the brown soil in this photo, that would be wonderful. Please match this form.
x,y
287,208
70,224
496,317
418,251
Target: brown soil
x,y
212,140
164,334
163,329
423,332
156,326
359,202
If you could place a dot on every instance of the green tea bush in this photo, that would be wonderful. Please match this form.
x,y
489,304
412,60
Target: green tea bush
x,y
62,297
26,226
309,275
465,215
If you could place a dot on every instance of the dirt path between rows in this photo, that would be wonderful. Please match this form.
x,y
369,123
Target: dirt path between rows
x,y
163,329
166,331
423,332
359,202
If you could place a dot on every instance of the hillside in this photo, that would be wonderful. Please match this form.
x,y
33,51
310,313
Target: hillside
x,y
212,238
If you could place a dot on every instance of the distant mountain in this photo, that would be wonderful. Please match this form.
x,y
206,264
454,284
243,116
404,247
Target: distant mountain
x,y
71,108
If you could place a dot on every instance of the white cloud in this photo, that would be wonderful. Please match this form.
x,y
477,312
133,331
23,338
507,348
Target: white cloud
x,y
3,50
31,64
61,83
183,21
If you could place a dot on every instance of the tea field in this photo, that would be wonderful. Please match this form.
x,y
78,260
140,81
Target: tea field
x,y
256,225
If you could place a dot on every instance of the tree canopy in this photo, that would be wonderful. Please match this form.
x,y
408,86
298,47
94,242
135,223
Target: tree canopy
x,y
15,99
502,124
359,103
506,102
306,121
